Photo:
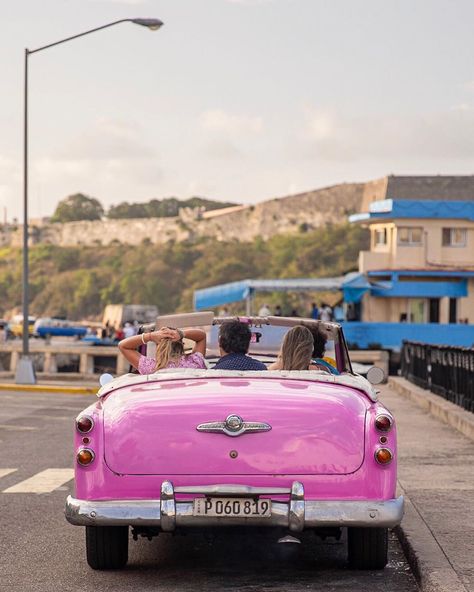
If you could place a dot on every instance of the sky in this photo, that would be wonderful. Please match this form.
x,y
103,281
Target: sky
x,y
235,100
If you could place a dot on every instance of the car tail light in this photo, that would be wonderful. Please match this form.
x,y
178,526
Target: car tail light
x,y
383,423
84,424
383,456
85,456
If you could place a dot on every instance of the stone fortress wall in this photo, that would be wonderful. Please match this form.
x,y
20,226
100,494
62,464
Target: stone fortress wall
x,y
291,214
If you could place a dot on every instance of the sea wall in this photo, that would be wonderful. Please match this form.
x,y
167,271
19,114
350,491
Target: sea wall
x,y
295,213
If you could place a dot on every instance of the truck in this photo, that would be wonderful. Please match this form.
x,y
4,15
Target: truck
x,y
116,315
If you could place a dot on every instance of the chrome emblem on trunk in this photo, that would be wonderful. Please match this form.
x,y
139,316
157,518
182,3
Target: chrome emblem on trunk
x,y
234,425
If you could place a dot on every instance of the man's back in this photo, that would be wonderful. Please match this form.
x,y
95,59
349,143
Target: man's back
x,y
237,361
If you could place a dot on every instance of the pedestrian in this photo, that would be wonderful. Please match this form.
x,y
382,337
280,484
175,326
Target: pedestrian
x,y
224,312
128,330
314,311
325,314
264,311
278,311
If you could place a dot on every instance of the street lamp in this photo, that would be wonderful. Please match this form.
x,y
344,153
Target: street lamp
x,y
25,373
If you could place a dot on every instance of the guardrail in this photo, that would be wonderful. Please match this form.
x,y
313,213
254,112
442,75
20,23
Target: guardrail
x,y
68,360
444,370
80,361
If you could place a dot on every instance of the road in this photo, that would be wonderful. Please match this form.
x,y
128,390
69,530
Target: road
x,y
40,551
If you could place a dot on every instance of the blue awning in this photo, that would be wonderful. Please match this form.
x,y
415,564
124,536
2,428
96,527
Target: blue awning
x,y
235,291
354,287
221,294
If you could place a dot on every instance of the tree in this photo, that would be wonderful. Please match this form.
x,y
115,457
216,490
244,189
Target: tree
x,y
78,207
163,208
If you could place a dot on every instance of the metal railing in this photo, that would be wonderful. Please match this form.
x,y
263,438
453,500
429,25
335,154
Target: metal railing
x,y
444,370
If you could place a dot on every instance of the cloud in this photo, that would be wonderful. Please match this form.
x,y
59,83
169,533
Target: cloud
x,y
217,120
10,179
226,135
333,135
123,2
112,160
250,2
223,149
8,167
108,140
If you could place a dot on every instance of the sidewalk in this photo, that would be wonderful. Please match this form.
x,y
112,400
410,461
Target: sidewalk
x,y
436,473
42,386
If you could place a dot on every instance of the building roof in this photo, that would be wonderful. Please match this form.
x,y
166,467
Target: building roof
x,y
418,188
416,209
431,187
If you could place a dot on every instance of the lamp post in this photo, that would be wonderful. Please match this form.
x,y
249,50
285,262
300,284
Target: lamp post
x,y
25,373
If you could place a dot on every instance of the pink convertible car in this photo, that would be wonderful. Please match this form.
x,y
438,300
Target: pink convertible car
x,y
196,449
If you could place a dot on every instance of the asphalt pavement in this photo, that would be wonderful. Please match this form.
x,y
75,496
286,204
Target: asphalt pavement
x,y
40,551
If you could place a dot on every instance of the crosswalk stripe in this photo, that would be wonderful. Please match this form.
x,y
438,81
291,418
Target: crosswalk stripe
x,y
43,482
4,472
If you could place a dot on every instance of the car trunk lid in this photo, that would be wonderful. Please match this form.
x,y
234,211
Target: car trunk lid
x,y
316,428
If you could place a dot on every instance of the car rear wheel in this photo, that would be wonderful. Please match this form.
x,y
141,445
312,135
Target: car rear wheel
x,y
107,546
367,547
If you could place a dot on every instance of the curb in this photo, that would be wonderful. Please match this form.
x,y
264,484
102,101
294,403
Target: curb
x,y
445,411
431,567
45,388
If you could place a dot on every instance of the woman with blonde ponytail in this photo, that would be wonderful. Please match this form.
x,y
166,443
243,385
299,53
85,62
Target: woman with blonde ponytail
x,y
169,350
296,350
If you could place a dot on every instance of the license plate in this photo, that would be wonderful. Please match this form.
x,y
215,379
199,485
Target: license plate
x,y
232,507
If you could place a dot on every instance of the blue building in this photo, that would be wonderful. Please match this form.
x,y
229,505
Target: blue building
x,y
417,280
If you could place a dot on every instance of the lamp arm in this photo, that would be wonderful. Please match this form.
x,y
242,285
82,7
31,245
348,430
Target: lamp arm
x,y
79,35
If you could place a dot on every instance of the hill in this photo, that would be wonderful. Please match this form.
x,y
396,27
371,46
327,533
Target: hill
x,y
77,282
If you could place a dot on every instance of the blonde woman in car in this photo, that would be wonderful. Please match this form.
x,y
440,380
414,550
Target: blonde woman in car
x,y
169,350
296,350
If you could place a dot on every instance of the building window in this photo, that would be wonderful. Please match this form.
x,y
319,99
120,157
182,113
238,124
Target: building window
x,y
454,237
453,310
410,235
417,310
380,236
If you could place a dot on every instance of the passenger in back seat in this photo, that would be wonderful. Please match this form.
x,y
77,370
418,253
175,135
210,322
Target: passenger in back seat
x,y
234,343
319,361
169,350
296,350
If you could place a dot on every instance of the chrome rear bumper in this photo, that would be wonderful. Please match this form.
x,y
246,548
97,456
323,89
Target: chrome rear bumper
x,y
296,514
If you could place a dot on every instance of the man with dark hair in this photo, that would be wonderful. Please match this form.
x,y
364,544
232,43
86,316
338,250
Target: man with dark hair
x,y
234,342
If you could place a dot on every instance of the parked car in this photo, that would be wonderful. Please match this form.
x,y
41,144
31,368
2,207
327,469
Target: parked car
x,y
54,327
195,449
15,326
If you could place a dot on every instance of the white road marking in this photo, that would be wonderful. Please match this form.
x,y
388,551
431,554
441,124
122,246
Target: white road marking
x,y
13,428
5,472
43,482
55,417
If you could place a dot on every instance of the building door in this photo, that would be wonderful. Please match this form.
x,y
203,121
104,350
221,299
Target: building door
x,y
453,310
433,316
